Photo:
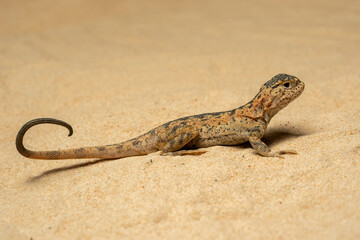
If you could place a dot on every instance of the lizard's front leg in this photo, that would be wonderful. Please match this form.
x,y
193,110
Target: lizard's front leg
x,y
264,150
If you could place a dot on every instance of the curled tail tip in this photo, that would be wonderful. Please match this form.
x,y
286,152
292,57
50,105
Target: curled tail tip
x,y
70,132
20,136
37,121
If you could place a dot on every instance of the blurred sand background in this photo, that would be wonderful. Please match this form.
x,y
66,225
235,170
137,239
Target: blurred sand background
x,y
115,69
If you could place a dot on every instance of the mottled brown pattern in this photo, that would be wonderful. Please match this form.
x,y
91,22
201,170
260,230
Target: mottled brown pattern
x,y
246,123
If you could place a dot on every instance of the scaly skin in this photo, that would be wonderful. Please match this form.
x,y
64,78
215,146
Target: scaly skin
x,y
246,123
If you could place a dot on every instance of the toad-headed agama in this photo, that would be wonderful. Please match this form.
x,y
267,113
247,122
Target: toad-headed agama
x,y
246,123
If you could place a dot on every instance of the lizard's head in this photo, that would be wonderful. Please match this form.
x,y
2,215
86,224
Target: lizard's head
x,y
283,87
278,92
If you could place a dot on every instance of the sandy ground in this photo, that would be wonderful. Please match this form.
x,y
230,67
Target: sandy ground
x,y
117,69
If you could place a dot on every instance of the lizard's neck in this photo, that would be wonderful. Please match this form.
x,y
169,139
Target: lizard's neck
x,y
270,100
261,107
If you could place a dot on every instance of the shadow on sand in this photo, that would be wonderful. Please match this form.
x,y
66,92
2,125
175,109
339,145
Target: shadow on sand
x,y
278,135
67,168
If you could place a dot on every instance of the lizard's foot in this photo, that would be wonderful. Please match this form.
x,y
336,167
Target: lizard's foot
x,y
265,151
183,152
282,152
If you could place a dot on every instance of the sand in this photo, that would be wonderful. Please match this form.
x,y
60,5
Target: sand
x,y
116,69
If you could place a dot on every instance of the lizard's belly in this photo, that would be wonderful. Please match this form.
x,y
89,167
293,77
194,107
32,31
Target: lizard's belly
x,y
224,140
222,136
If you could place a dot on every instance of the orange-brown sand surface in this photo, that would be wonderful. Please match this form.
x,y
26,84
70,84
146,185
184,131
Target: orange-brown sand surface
x,y
116,69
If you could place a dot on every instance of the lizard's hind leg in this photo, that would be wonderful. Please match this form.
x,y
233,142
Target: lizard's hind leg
x,y
179,142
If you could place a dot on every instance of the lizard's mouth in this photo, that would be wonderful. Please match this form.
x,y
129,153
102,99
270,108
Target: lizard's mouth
x,y
300,87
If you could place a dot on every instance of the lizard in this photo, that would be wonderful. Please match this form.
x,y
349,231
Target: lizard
x,y
246,123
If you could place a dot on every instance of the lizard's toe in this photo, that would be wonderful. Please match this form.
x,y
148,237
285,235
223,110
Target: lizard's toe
x,y
282,152
288,152
165,153
182,153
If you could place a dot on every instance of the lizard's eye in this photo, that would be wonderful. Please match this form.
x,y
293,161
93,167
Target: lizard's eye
x,y
287,84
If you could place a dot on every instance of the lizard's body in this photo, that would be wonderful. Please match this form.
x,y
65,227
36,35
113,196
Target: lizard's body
x,y
246,123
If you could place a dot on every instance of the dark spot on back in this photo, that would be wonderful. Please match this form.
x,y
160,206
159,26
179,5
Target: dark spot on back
x,y
137,142
232,112
175,128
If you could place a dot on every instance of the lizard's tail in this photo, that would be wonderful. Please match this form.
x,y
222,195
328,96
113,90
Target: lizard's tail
x,y
125,149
